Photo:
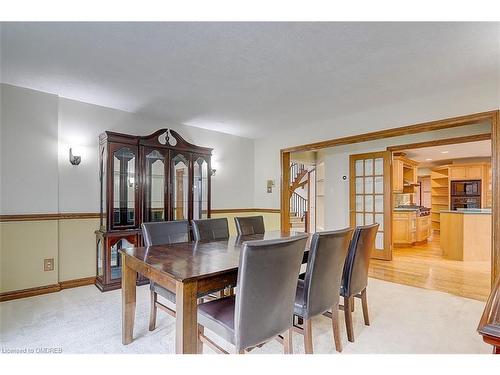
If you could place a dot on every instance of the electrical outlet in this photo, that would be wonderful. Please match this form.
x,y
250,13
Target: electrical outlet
x,y
48,264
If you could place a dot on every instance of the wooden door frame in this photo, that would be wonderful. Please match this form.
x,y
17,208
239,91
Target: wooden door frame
x,y
491,117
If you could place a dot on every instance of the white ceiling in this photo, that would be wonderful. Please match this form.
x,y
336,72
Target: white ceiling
x,y
447,153
248,78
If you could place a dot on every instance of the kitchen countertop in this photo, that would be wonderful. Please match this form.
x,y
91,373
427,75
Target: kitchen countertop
x,y
471,211
405,209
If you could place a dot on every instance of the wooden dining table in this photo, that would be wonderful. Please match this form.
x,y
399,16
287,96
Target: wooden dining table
x,y
190,270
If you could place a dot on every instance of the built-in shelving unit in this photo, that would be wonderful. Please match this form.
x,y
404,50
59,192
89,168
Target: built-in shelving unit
x,y
439,194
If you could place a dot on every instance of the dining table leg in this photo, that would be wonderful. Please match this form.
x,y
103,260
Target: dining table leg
x,y
186,320
129,278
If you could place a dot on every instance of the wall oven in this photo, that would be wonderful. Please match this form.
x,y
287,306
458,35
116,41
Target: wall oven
x,y
465,194
466,188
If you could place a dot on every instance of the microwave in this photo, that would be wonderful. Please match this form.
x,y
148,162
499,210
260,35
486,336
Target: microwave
x,y
466,188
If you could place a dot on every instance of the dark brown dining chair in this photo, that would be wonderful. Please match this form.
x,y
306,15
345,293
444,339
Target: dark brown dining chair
x,y
318,292
210,229
355,274
263,306
249,225
163,233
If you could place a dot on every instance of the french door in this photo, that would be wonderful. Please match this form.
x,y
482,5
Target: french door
x,y
370,197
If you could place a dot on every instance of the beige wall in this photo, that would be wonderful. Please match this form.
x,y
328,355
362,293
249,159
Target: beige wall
x,y
23,247
71,242
77,254
271,219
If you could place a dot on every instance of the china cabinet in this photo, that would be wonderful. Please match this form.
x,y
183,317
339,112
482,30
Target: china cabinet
x,y
159,177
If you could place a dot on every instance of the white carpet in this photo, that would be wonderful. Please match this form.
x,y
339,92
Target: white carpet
x,y
403,320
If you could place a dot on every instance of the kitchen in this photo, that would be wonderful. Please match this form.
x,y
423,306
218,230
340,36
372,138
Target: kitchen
x,y
442,202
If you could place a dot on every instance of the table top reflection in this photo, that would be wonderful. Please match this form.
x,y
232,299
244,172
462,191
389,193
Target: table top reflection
x,y
194,260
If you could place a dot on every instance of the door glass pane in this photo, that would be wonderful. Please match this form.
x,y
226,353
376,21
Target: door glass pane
x,y
200,193
379,218
379,166
368,219
359,219
368,167
368,203
124,187
368,185
155,186
379,203
359,185
359,203
379,185
359,167
180,185
116,262
379,241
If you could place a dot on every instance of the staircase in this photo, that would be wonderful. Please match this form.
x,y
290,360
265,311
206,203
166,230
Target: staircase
x,y
299,177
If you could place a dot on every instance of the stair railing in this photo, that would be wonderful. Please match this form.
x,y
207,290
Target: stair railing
x,y
298,205
295,170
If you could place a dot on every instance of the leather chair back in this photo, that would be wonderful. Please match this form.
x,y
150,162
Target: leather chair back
x,y
165,232
327,256
210,229
267,281
249,225
355,275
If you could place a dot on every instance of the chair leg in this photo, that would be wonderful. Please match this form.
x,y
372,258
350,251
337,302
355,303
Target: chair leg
x,y
336,328
364,303
348,319
288,342
152,313
201,332
308,343
352,304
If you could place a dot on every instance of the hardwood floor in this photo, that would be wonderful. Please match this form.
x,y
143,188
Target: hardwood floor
x,y
423,266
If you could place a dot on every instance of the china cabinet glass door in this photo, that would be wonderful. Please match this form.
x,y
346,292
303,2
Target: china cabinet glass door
x,y
124,187
179,170
200,188
154,186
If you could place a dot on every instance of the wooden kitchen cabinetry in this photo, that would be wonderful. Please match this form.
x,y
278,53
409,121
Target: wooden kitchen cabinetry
x,y
409,228
404,174
467,172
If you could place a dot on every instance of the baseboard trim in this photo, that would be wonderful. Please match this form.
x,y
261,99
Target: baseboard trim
x,y
68,284
31,292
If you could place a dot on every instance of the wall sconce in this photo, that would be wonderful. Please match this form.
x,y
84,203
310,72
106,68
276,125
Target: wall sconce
x,y
74,159
212,171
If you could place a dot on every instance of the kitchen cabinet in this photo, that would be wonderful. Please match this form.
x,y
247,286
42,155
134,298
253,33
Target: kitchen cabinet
x,y
404,174
404,227
466,172
423,228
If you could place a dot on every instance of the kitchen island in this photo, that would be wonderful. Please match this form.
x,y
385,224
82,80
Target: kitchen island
x,y
466,234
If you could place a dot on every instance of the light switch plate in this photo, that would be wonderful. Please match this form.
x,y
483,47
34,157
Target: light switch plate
x,y
48,264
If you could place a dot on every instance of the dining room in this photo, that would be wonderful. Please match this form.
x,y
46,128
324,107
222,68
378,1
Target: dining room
x,y
168,187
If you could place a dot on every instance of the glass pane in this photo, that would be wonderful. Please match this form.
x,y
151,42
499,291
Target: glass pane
x,y
379,203
359,203
359,185
155,186
359,167
180,184
379,241
379,185
368,219
124,187
368,185
379,166
200,193
100,258
379,218
368,167
368,203
116,262
359,219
